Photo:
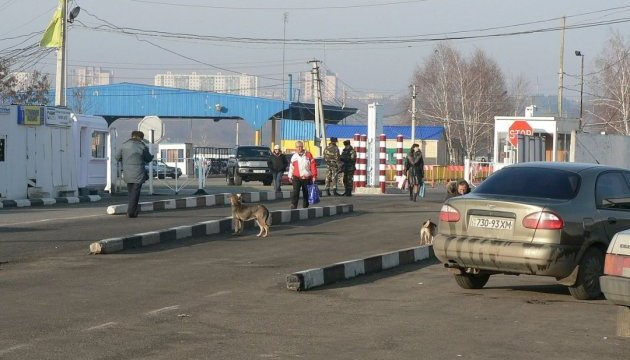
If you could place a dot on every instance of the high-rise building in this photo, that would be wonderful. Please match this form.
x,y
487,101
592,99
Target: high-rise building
x,y
243,84
329,87
90,76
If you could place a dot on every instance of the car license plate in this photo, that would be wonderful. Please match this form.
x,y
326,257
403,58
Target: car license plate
x,y
491,223
259,171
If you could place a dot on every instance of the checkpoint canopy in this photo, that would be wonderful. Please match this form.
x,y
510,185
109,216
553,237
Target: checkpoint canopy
x,y
128,100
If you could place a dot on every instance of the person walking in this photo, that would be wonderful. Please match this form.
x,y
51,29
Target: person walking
x,y
348,159
415,171
302,171
331,155
134,154
278,164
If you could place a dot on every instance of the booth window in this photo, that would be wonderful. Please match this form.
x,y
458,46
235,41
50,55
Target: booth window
x,y
172,155
99,142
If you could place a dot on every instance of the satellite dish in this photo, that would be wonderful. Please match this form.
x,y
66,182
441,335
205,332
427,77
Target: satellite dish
x,y
152,125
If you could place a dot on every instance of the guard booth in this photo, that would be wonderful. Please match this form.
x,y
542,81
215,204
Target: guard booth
x,y
514,137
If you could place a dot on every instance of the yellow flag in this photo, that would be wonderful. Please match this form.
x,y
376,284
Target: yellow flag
x,y
53,34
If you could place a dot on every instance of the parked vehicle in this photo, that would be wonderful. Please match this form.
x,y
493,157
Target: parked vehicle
x,y
538,218
248,163
322,170
615,283
161,170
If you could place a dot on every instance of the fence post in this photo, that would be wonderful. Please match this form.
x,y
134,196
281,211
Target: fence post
x,y
382,161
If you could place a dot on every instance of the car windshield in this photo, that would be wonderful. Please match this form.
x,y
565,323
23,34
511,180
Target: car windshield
x,y
253,152
531,182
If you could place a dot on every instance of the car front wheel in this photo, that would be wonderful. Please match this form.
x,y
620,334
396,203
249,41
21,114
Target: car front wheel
x,y
472,281
591,268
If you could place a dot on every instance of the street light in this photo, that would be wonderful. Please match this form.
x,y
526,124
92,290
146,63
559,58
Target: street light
x,y
579,53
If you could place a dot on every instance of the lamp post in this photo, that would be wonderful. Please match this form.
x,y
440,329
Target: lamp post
x,y
579,53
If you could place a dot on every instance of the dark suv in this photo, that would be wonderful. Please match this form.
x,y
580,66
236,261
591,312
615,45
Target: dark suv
x,y
248,163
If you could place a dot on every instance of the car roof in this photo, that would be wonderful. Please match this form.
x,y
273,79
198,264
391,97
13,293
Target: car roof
x,y
567,166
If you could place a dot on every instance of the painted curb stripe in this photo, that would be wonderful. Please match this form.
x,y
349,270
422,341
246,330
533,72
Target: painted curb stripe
x,y
205,228
308,279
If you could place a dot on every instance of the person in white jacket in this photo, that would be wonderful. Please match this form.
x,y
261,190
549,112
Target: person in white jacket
x,y
302,171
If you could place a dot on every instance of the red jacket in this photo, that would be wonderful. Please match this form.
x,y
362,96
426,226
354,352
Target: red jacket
x,y
303,166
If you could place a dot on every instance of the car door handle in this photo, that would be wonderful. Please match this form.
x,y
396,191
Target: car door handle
x,y
612,220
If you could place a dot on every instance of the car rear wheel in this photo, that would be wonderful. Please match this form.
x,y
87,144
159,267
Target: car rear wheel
x,y
238,180
266,182
472,281
591,268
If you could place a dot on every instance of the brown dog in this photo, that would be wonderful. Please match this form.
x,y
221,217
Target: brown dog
x,y
427,231
242,213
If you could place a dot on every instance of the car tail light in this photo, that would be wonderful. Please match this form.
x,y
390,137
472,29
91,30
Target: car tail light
x,y
617,265
449,214
543,220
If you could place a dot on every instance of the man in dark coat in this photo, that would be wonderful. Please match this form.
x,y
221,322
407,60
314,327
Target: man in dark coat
x,y
134,154
278,164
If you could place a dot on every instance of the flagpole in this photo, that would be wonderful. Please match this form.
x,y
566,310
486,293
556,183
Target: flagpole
x,y
60,87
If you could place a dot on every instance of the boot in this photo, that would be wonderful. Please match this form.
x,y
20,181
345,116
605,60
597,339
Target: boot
x,y
328,191
348,192
415,197
410,195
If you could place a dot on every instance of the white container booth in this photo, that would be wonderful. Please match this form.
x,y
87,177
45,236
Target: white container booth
x,y
91,139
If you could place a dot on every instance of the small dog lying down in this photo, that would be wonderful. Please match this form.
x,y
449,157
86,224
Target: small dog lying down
x,y
427,231
242,213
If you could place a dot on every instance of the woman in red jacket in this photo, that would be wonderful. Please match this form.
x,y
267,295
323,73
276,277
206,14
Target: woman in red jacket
x,y
302,171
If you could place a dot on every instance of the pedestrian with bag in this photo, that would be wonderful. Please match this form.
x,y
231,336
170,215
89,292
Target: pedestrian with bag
x,y
348,159
302,171
414,166
278,164
331,156
134,155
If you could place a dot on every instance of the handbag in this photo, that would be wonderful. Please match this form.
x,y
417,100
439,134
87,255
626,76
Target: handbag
x,y
421,192
313,193
402,182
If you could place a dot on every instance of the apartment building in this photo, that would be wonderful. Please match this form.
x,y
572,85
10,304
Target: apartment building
x,y
91,76
243,84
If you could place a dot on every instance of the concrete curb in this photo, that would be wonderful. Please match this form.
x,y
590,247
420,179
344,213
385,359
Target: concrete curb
x,y
48,201
198,201
212,227
308,279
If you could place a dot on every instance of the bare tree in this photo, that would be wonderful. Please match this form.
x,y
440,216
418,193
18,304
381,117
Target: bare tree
x,y
7,83
34,91
611,84
461,95
519,92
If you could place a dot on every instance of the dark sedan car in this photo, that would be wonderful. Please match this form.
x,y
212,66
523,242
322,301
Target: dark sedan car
x,y
539,218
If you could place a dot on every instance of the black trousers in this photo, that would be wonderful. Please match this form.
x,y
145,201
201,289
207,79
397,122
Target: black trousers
x,y
300,184
133,189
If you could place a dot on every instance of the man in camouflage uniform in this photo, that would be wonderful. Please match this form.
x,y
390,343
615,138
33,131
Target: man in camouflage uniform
x,y
348,159
331,155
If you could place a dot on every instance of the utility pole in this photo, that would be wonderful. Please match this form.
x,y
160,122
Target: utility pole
x,y
320,126
60,82
413,113
561,73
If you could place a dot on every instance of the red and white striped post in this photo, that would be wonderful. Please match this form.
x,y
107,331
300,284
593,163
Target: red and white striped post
x,y
356,143
363,157
399,157
382,157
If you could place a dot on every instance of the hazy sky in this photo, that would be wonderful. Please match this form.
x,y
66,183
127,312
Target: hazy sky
x,y
385,40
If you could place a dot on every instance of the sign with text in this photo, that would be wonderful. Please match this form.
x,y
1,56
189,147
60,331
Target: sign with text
x,y
57,116
519,127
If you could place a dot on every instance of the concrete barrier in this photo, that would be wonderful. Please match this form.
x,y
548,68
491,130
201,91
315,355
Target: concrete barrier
x,y
311,278
48,201
212,227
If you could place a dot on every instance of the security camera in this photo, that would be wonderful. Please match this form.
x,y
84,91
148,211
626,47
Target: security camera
x,y
218,107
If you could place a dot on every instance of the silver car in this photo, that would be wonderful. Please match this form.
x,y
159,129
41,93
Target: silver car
x,y
538,218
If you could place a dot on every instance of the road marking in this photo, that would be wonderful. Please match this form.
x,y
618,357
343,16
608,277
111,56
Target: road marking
x,y
168,308
13,348
102,326
48,220
219,293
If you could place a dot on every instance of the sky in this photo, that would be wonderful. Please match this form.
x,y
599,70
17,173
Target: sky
x,y
373,46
